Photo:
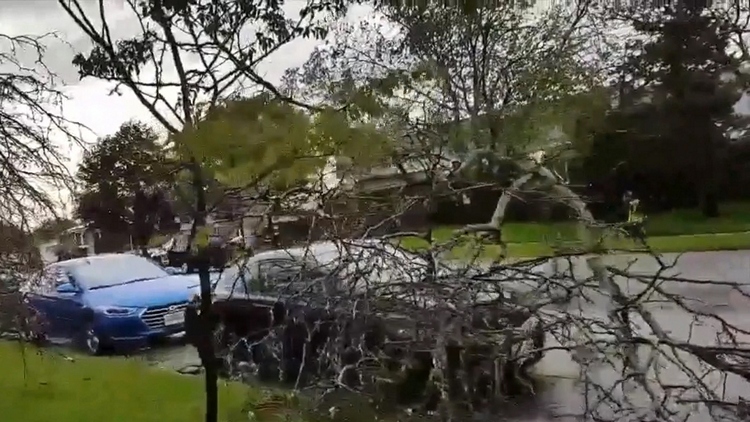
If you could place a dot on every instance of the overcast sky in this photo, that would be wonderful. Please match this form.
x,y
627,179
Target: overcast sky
x,y
89,100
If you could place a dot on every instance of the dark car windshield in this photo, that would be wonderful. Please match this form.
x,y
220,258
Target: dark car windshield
x,y
275,274
106,271
231,279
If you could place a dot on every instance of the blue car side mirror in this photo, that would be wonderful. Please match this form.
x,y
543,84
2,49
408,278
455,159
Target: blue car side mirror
x,y
67,288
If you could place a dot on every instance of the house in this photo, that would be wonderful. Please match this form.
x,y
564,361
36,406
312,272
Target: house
x,y
246,219
75,241
83,237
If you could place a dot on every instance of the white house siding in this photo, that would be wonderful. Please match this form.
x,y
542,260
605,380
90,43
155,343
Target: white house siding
x,y
89,242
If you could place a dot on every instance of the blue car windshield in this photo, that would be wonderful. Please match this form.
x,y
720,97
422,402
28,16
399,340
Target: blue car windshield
x,y
107,271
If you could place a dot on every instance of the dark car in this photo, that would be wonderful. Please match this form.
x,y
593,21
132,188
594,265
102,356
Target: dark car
x,y
284,310
176,253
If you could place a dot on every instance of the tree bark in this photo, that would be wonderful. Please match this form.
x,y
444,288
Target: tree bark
x,y
709,194
204,341
709,200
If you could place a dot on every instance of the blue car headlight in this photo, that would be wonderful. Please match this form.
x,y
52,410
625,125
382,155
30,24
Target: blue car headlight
x,y
117,311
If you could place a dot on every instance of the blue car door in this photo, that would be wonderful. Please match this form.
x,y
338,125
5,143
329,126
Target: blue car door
x,y
69,311
42,299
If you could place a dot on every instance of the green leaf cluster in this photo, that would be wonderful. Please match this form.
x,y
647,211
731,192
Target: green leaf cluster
x,y
248,142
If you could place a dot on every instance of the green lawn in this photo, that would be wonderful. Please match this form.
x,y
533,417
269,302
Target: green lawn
x,y
116,389
699,242
677,231
104,389
735,217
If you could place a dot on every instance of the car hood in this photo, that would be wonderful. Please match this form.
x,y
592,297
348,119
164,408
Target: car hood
x,y
213,275
156,292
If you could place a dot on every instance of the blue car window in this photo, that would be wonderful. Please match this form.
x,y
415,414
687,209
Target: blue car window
x,y
47,280
58,276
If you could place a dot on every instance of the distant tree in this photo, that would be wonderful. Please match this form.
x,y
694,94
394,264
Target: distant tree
x,y
678,91
125,178
17,249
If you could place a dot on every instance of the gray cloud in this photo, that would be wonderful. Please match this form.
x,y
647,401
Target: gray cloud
x,y
89,102
37,17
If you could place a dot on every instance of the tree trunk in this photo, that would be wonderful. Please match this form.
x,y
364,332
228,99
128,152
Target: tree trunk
x,y
710,205
709,196
204,343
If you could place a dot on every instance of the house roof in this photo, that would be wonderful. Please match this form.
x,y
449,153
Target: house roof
x,y
77,229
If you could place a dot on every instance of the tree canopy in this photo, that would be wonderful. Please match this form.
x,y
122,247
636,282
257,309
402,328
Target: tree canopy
x,y
32,164
116,174
496,79
50,228
677,93
262,142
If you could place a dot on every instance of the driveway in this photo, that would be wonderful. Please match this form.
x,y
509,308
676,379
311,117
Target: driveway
x,y
561,394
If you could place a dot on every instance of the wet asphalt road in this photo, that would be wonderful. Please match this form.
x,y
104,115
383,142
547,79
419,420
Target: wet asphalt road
x,y
562,394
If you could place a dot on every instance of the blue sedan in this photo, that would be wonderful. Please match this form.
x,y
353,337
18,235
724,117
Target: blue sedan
x,y
110,301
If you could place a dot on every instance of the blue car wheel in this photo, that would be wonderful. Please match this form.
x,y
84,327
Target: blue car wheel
x,y
92,342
